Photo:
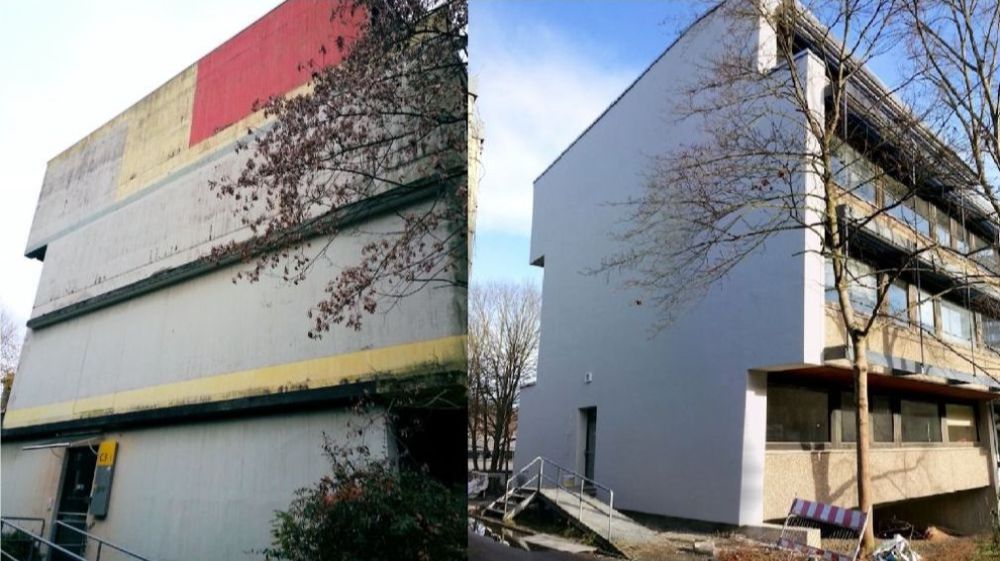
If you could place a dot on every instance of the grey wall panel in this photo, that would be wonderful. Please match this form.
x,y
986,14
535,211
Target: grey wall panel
x,y
78,183
209,325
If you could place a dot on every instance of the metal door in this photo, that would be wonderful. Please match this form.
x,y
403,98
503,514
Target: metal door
x,y
74,500
590,441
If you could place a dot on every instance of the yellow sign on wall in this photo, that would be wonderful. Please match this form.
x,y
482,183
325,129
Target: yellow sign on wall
x,y
106,453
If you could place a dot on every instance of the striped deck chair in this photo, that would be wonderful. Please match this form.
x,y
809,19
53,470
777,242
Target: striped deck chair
x,y
842,528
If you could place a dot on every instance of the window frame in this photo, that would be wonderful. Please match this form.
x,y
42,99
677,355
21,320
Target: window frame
x,y
836,406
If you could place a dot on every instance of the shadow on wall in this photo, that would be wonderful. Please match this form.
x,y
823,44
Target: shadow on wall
x,y
962,512
846,492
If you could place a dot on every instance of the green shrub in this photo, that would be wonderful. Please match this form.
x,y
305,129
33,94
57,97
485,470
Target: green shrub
x,y
16,545
369,509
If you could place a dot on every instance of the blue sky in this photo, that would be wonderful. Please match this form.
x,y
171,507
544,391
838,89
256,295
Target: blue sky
x,y
546,69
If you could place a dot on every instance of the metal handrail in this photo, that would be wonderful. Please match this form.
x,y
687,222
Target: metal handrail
x,y
27,519
541,477
40,539
31,552
101,542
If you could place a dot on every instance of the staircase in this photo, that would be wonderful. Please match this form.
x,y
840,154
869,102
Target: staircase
x,y
15,530
585,502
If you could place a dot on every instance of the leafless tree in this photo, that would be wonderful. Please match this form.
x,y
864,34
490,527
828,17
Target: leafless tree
x,y
954,46
382,130
844,165
11,336
503,345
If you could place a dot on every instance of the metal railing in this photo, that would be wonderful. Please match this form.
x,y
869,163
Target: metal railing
x,y
26,539
576,484
6,521
102,543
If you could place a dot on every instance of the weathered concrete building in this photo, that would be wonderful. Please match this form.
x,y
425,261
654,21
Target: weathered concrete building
x,y
743,402
206,399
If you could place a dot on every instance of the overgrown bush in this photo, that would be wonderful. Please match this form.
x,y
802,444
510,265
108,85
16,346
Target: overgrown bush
x,y
16,544
369,509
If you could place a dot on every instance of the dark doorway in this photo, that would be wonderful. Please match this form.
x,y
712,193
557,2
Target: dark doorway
x,y
74,501
590,440
434,441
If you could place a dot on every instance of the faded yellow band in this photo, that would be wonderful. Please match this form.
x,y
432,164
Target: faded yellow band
x,y
445,354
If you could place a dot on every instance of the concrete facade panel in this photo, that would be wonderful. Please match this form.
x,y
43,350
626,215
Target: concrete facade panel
x,y
169,226
204,491
209,326
78,183
159,126
898,474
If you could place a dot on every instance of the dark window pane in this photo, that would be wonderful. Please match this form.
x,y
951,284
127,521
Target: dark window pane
x,y
879,416
921,421
797,414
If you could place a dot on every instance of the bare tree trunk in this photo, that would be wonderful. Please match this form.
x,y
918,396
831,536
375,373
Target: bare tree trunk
x,y
860,346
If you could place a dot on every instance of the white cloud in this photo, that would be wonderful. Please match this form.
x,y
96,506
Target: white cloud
x,y
537,93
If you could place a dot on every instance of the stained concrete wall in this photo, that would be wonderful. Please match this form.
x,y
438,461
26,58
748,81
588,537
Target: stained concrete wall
x,y
192,116
210,326
172,223
201,491
679,420
897,474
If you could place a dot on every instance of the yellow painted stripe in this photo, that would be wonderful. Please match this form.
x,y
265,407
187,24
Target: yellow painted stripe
x,y
445,354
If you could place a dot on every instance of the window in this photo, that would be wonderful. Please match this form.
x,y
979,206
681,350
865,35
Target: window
x,y
982,252
879,415
863,285
921,421
881,418
896,203
797,414
853,173
960,422
897,302
863,185
926,310
828,282
922,216
942,229
991,332
961,237
956,321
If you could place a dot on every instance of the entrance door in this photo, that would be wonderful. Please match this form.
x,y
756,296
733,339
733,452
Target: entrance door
x,y
590,441
74,501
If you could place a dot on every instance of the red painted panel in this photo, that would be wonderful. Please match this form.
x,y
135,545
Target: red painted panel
x,y
263,60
